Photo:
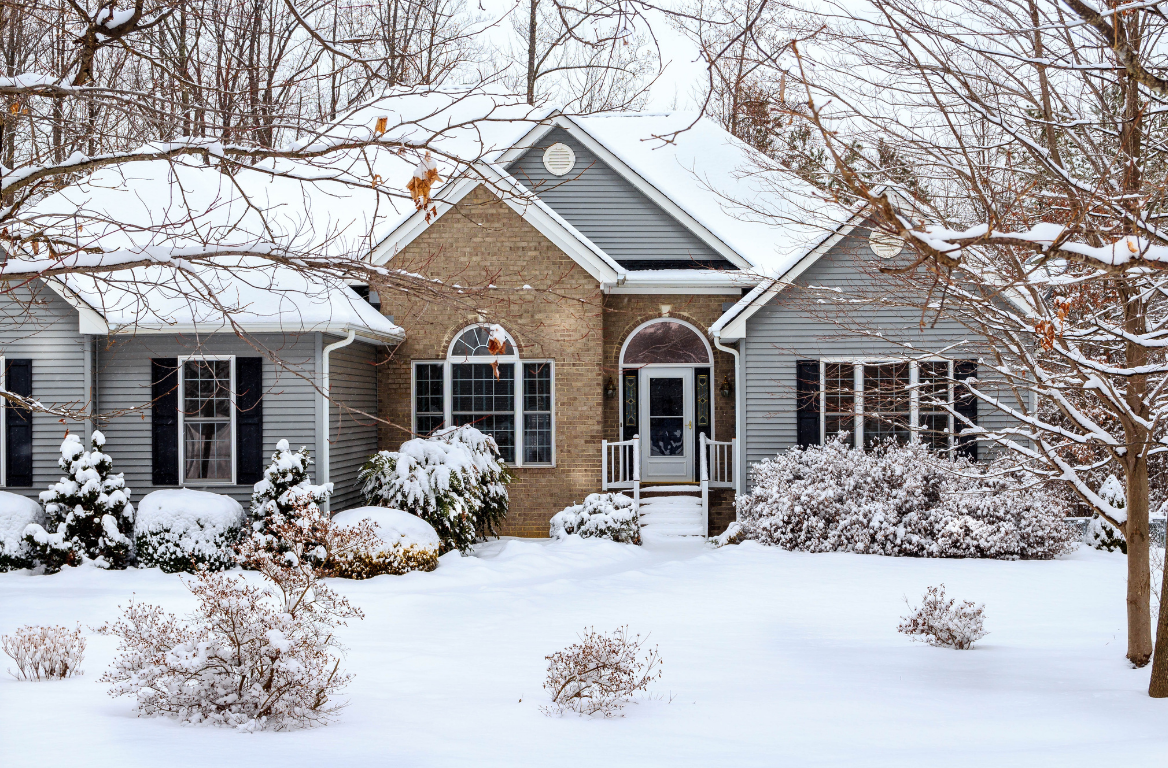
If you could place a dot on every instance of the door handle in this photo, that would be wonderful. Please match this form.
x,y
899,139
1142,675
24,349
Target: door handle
x,y
689,425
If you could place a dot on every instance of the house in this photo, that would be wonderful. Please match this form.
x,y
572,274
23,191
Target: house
x,y
183,395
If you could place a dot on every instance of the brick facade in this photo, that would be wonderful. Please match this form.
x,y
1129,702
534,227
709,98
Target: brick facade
x,y
482,241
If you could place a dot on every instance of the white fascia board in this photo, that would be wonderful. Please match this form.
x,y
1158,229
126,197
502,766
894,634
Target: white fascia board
x,y
363,334
654,194
701,282
663,288
736,328
89,320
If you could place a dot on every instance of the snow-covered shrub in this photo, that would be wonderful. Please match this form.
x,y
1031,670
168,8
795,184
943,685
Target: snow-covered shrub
x,y
455,480
184,530
45,653
944,623
1101,534
88,515
602,515
900,501
252,657
599,674
399,543
16,514
285,487
734,534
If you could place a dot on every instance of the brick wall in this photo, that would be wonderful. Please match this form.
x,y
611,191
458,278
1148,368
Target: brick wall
x,y
564,317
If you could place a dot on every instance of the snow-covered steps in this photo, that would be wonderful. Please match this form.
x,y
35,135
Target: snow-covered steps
x,y
672,515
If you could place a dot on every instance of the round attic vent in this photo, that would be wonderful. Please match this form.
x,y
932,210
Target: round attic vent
x,y
885,245
559,159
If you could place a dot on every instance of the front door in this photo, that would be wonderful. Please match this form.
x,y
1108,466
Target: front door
x,y
667,424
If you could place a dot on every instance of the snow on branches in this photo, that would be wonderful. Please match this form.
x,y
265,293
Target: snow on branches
x,y
602,515
285,488
944,623
600,674
45,653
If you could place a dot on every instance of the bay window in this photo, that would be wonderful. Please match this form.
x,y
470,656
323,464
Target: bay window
x,y
484,384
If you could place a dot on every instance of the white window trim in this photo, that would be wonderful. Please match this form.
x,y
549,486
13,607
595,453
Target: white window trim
x,y
3,424
858,364
448,392
182,464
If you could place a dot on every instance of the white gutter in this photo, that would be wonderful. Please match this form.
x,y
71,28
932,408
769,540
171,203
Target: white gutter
x,y
739,416
323,458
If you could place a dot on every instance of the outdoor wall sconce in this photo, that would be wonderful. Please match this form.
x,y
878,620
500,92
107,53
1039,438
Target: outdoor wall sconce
x,y
610,388
727,388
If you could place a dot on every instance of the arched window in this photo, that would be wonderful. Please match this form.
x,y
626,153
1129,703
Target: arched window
x,y
665,341
499,394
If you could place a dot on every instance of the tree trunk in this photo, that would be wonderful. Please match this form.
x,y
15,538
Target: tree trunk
x,y
1139,581
1158,687
531,28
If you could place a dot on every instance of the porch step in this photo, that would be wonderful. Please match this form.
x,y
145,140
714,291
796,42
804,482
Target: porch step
x,y
671,490
672,515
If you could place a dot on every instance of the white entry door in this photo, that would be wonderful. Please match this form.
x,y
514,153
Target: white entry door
x,y
667,451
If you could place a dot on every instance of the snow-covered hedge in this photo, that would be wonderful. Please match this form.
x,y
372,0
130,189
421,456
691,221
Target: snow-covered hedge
x,y
455,480
403,543
182,530
602,515
88,515
900,501
16,514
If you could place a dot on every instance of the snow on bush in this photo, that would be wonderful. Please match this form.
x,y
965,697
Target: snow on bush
x,y
16,514
599,674
944,623
252,657
899,501
400,543
285,487
602,515
88,515
184,530
45,653
1101,534
455,480
734,534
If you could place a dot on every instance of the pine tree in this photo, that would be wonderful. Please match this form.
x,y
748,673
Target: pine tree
x,y
88,511
285,490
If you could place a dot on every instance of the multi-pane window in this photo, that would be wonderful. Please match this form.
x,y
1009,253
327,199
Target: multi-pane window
x,y
875,401
206,413
429,401
485,402
494,391
537,413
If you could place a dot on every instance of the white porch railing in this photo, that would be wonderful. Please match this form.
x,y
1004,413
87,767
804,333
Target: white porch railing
x,y
717,469
620,466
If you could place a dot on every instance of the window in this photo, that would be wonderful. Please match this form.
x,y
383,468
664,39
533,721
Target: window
x,y
207,419
874,401
500,395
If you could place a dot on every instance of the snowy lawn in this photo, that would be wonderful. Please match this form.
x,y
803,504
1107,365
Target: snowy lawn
x,y
771,658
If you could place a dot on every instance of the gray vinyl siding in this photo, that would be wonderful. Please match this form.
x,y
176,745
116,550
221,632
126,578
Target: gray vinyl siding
x,y
37,324
795,326
353,435
123,372
607,209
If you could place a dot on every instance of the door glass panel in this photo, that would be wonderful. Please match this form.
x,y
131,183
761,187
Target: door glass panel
x,y
666,417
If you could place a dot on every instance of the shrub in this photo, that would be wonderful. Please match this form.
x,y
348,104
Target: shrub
x,y
455,480
184,530
45,653
900,501
398,543
88,515
602,515
285,487
944,623
253,657
16,514
599,674
734,534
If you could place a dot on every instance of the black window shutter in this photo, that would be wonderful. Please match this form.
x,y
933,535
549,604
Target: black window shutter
x,y
632,405
965,404
249,420
18,381
164,420
807,402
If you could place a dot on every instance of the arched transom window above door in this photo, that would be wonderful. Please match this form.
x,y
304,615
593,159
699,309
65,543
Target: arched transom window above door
x,y
665,341
509,398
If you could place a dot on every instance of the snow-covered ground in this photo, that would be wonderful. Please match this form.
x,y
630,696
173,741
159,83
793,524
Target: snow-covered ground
x,y
771,658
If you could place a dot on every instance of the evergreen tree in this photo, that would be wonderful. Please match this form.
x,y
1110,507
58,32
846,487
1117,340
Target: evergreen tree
x,y
285,490
88,515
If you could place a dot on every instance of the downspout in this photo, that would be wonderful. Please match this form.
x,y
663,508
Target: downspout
x,y
739,433
323,464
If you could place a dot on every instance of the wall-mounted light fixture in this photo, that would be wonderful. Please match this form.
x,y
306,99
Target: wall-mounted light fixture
x,y
727,388
610,388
